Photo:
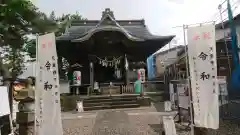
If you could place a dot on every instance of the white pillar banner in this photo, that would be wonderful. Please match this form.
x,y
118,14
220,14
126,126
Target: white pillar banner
x,y
203,72
4,101
47,96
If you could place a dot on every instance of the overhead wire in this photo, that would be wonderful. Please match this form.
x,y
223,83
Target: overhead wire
x,y
216,17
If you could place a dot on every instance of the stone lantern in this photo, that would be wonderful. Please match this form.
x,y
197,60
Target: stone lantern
x,y
25,116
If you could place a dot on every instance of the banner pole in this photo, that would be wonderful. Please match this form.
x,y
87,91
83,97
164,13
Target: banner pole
x,y
188,82
36,91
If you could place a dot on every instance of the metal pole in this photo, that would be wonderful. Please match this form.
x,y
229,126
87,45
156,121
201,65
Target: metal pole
x,y
36,102
11,124
225,41
188,82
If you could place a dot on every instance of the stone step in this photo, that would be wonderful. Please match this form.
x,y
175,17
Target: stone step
x,y
115,101
112,99
156,98
112,96
154,93
111,107
111,103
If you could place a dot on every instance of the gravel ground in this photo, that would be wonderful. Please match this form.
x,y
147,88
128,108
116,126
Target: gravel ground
x,y
121,122
113,122
229,122
78,126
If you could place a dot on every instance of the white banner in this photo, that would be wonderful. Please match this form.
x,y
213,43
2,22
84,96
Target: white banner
x,y
203,72
4,101
47,96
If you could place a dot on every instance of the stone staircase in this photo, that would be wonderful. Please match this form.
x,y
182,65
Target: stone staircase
x,y
114,102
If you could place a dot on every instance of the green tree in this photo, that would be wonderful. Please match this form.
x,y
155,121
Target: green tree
x,y
59,26
16,17
19,18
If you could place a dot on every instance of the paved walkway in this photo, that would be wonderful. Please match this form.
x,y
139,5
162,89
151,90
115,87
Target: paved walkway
x,y
112,123
138,121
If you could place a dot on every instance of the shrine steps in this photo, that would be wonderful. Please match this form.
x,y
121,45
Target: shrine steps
x,y
114,102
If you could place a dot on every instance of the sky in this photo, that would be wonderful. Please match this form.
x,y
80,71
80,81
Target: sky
x,y
161,16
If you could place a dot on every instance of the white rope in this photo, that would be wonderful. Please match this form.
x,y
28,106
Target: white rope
x,y
114,59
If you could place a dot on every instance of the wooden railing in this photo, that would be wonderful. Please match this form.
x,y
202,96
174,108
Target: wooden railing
x,y
127,89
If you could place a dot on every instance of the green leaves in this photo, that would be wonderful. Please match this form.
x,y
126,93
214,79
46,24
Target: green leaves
x,y
49,24
19,18
16,17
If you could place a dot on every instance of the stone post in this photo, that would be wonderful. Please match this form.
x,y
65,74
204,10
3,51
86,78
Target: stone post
x,y
25,116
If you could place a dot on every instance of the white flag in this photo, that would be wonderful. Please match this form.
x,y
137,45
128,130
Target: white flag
x,y
203,72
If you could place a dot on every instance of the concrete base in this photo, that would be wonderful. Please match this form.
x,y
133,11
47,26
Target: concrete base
x,y
26,129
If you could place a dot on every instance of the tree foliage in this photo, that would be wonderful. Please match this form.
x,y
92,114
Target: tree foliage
x,y
59,28
18,19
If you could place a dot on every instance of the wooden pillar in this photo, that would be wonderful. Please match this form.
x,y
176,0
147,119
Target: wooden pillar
x,y
166,86
60,66
91,74
126,66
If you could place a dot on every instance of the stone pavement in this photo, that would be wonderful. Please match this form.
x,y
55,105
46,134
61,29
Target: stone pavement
x,y
140,121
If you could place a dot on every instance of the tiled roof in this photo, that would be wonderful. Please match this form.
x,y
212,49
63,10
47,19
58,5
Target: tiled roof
x,y
133,29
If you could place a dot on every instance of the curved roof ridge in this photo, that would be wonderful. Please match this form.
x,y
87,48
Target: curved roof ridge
x,y
117,27
106,28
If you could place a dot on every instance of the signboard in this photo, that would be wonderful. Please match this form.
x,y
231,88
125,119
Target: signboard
x,y
47,96
203,72
172,95
141,75
4,101
183,97
223,93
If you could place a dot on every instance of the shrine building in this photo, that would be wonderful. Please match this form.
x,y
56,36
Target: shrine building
x,y
107,51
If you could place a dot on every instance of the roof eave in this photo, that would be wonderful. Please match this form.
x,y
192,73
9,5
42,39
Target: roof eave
x,y
107,28
157,38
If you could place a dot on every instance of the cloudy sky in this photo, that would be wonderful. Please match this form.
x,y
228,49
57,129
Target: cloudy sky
x,y
160,15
